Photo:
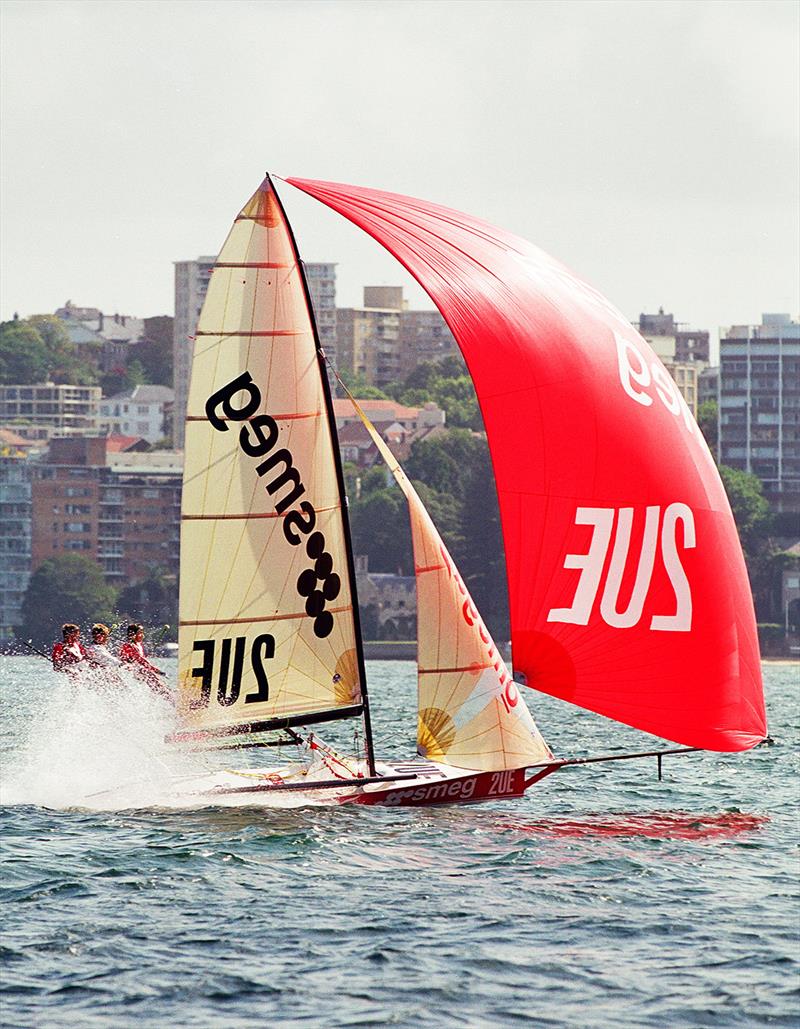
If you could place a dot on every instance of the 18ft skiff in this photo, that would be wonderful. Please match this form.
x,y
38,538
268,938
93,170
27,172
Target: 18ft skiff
x,y
627,587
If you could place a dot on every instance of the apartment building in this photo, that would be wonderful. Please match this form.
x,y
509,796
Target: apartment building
x,y
191,286
674,341
15,536
46,409
384,341
321,279
368,343
759,405
121,509
683,351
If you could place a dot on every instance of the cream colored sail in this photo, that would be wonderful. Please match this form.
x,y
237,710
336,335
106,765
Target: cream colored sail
x,y
266,619
470,713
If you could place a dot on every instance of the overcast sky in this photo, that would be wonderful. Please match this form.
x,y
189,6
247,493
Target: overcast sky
x,y
652,147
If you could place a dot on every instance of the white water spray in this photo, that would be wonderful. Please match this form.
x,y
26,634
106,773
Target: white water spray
x,y
99,743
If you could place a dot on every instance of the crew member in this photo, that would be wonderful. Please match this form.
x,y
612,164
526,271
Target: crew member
x,y
97,651
69,652
132,653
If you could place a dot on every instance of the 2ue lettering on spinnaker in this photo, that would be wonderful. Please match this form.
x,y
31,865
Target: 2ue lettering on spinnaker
x,y
636,379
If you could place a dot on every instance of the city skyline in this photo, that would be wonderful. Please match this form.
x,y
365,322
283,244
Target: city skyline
x,y
651,148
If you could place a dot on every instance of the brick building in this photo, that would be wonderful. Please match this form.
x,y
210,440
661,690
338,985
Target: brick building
x,y
122,510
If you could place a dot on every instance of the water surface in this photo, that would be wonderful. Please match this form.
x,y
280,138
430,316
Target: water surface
x,y
603,898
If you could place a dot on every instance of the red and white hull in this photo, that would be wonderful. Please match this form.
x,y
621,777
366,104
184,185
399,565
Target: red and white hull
x,y
439,784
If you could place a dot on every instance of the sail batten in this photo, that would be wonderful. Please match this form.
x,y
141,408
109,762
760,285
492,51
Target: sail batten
x,y
627,586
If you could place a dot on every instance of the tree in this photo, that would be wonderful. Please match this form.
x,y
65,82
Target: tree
x,y
65,364
153,601
360,388
122,378
754,522
481,558
750,508
154,350
70,588
443,462
381,531
707,414
23,354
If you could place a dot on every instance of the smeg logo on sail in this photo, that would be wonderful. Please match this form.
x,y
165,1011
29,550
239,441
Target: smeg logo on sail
x,y
318,584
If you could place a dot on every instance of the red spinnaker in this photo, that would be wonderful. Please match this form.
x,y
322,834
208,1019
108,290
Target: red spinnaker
x,y
627,585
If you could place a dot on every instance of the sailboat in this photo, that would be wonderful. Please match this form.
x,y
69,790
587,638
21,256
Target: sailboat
x,y
627,586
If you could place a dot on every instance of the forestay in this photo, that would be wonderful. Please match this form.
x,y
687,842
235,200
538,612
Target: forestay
x,y
627,586
470,713
266,619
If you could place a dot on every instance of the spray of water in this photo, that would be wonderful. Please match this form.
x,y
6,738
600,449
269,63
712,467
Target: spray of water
x,y
99,743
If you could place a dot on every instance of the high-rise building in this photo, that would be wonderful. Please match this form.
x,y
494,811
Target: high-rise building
x,y
384,341
369,343
321,279
191,285
708,384
424,337
759,405
15,536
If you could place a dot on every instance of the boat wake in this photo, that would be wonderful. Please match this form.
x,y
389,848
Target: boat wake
x,y
104,749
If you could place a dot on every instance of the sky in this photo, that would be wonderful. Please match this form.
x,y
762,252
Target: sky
x,y
650,146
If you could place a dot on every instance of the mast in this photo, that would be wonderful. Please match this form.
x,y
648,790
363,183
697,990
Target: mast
x,y
337,458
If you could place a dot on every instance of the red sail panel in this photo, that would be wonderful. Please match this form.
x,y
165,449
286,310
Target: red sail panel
x,y
627,586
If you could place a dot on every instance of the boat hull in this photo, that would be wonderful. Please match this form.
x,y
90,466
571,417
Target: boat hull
x,y
438,784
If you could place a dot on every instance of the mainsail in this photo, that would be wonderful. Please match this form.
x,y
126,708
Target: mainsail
x,y
266,612
627,585
470,713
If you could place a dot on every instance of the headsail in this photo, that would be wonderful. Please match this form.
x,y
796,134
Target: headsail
x,y
470,713
628,590
266,612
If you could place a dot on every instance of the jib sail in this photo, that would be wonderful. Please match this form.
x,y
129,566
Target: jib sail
x,y
470,713
627,586
266,611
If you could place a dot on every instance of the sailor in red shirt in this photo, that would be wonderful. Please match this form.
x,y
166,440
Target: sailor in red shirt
x,y
132,653
70,652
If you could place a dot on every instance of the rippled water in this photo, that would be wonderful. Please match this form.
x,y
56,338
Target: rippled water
x,y
603,898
